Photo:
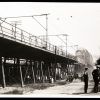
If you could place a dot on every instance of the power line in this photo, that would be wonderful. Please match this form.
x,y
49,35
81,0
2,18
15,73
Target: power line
x,y
29,16
54,35
61,39
38,22
25,16
46,28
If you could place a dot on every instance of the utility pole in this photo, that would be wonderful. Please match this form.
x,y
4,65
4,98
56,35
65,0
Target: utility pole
x,y
46,28
66,45
60,39
66,42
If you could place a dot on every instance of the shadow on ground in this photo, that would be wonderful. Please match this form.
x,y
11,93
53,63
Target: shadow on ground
x,y
14,92
91,92
33,87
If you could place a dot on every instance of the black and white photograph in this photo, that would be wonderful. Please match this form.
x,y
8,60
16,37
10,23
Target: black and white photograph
x,y
50,49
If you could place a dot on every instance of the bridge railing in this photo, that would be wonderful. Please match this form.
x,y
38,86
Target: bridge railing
x,y
8,30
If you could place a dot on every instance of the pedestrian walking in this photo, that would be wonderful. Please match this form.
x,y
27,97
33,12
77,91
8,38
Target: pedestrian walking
x,y
96,75
85,75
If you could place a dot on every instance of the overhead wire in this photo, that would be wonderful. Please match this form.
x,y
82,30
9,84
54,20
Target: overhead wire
x,y
36,21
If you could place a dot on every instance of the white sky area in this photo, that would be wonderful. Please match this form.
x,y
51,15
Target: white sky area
x,y
83,28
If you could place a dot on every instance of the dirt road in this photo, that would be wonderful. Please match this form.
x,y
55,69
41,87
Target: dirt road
x,y
76,88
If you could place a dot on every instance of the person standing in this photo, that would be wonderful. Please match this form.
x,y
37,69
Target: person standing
x,y
85,75
95,74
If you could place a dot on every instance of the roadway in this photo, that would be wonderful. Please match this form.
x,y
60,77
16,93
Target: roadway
x,y
74,89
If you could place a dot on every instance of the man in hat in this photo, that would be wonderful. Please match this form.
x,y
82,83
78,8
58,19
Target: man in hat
x,y
85,75
96,75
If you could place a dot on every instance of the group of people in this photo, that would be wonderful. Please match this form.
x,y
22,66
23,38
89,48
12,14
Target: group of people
x,y
96,78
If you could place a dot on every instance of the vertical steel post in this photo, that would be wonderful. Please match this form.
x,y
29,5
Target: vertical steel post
x,y
33,71
42,71
21,77
48,71
46,30
3,73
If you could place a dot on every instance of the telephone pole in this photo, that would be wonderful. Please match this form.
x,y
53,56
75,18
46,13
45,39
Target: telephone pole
x,y
66,42
46,28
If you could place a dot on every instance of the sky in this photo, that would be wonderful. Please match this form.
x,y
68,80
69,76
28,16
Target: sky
x,y
80,21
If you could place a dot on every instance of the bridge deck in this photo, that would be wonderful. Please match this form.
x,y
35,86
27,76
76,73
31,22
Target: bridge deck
x,y
19,43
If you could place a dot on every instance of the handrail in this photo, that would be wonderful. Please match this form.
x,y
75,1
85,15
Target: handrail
x,y
7,29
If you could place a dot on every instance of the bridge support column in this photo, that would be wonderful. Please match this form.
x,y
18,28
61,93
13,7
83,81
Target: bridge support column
x,y
2,61
32,65
37,72
55,72
14,60
42,71
52,74
48,71
68,66
73,68
20,69
45,75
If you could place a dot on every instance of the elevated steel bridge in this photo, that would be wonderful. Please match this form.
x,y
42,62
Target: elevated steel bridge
x,y
24,55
